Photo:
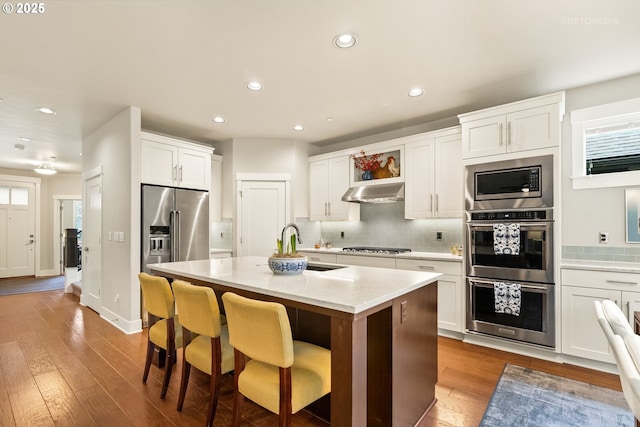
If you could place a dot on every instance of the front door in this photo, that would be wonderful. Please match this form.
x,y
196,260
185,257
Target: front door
x,y
263,215
92,245
17,228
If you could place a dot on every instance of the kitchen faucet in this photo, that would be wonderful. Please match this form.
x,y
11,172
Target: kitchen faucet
x,y
285,228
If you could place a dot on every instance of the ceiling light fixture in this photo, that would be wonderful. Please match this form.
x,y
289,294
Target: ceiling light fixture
x,y
345,41
298,127
415,92
45,110
218,119
255,86
22,138
46,169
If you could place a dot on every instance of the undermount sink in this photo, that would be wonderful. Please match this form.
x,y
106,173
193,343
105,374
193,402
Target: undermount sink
x,y
323,267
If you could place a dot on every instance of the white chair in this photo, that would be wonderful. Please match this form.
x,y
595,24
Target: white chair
x,y
624,344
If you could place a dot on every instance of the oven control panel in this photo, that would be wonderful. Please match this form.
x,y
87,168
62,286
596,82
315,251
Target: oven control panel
x,y
509,215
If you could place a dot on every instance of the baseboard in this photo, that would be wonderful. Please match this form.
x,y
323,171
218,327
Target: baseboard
x,y
451,334
514,347
45,273
126,326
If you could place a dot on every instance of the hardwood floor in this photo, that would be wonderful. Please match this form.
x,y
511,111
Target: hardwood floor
x,y
62,365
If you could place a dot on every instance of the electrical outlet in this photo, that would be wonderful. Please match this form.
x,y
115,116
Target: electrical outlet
x,y
403,311
603,237
438,235
117,298
342,234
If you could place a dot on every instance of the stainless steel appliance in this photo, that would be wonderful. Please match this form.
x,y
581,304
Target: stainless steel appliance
x,y
175,225
518,195
510,184
376,250
534,263
535,324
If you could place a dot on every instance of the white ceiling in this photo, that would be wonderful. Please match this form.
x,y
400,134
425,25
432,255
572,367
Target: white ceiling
x,y
184,62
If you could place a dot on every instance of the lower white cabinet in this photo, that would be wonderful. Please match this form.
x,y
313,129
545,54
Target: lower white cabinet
x,y
320,257
367,261
581,333
450,290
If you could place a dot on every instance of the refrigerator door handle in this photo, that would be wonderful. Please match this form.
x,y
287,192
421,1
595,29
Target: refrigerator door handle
x,y
174,219
176,236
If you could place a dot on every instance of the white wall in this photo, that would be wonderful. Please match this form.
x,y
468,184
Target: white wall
x,y
263,155
114,147
587,212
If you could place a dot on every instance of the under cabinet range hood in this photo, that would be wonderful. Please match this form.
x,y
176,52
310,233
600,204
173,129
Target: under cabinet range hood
x,y
381,193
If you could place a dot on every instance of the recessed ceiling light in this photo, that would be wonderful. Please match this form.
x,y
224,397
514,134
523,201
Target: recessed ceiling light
x,y
415,92
345,41
45,110
22,138
328,119
254,86
218,119
298,127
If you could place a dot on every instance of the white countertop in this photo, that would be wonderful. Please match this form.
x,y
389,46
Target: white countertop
x,y
622,267
352,289
438,256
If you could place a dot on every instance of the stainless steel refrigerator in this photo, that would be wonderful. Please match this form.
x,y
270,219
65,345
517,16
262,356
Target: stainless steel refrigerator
x,y
175,225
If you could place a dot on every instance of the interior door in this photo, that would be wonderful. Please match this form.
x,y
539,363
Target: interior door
x,y
92,241
262,217
17,228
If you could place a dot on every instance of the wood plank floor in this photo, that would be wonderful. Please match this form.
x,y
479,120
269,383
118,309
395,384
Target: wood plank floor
x,y
62,365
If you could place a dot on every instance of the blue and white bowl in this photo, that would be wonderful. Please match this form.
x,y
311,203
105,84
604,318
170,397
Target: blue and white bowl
x,y
288,266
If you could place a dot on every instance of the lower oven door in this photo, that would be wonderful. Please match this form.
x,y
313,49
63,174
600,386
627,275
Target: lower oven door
x,y
535,324
533,263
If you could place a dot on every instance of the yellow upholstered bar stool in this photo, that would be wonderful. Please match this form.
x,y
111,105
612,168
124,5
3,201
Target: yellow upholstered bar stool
x,y
164,328
272,369
206,340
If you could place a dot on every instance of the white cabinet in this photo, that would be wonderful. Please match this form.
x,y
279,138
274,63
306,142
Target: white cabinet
x,y
450,290
581,333
320,257
520,126
433,183
367,261
328,181
175,163
215,195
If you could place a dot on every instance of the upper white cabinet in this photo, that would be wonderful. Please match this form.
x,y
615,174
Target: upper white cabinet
x,y
433,183
328,181
175,163
520,126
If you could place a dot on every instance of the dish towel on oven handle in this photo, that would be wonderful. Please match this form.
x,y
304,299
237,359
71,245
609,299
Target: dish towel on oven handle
x,y
506,239
507,297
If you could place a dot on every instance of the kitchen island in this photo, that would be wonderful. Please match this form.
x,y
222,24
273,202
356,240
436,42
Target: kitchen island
x,y
380,324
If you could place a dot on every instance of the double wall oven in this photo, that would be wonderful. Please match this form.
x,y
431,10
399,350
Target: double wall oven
x,y
509,240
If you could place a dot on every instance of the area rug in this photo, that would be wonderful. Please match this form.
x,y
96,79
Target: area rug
x,y
525,397
26,285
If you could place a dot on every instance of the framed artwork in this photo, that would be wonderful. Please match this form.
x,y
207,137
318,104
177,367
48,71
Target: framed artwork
x,y
377,167
632,204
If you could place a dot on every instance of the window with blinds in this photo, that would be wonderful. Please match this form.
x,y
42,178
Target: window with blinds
x,y
614,146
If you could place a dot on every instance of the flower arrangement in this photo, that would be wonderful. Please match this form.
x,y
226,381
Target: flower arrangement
x,y
289,262
367,163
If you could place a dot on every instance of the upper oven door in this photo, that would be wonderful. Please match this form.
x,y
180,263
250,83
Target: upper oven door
x,y
533,263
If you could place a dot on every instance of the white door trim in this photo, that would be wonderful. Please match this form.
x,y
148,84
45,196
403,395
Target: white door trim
x,y
57,256
265,177
85,298
38,183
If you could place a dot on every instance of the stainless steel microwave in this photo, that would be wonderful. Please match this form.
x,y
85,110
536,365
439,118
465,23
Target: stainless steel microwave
x,y
510,184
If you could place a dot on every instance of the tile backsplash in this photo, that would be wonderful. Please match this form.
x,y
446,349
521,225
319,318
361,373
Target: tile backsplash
x,y
602,253
381,225
384,225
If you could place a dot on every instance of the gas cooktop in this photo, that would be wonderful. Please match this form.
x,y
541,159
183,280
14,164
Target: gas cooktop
x,y
374,250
